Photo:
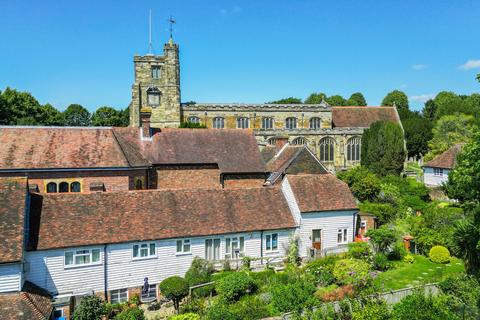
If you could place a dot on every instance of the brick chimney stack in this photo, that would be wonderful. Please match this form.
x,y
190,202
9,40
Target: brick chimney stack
x,y
145,116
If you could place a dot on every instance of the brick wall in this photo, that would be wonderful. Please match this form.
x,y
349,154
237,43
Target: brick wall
x,y
188,176
113,180
370,220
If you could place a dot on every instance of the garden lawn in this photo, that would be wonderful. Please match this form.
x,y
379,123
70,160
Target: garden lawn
x,y
422,271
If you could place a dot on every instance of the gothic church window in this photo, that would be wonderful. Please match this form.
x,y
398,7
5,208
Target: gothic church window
x,y
353,149
193,119
267,123
327,149
63,187
156,72
75,187
242,123
299,141
315,123
51,187
272,141
291,123
218,123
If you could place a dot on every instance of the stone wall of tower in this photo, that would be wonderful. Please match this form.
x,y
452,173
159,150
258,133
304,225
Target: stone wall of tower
x,y
167,113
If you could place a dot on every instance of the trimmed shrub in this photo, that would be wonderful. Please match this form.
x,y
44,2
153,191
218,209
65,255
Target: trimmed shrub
x,y
174,288
351,271
382,238
439,254
293,296
374,309
409,258
186,316
134,313
234,286
195,305
381,262
420,306
359,250
219,311
249,308
90,308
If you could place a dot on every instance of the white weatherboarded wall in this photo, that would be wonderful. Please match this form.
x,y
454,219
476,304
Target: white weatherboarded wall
x,y
10,277
430,179
47,269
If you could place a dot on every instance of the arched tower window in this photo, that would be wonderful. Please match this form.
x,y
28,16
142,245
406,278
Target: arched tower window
x,y
193,119
327,149
354,147
267,123
75,187
272,141
315,123
218,123
299,141
291,123
242,123
63,187
51,187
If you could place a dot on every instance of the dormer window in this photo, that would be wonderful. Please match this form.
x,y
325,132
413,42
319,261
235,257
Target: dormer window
x,y
153,96
156,72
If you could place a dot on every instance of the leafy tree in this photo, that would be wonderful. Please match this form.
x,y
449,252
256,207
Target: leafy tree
x,y
51,116
449,103
192,125
419,306
315,98
397,97
200,272
429,110
464,180
107,117
234,286
90,308
289,100
357,99
467,242
336,100
383,150
478,77
174,288
76,115
363,183
418,131
382,238
450,130
125,117
19,108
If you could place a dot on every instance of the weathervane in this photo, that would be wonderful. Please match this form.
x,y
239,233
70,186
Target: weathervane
x,y
150,47
171,21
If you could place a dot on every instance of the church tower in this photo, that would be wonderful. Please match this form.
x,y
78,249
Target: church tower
x,y
157,88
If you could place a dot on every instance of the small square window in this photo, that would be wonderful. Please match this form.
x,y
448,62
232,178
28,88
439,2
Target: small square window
x,y
183,246
156,72
144,250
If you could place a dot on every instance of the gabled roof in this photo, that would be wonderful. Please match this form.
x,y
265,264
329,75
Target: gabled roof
x,y
362,117
291,159
447,159
234,150
13,197
321,192
60,148
115,217
32,303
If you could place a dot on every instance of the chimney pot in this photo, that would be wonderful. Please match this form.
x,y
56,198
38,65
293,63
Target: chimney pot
x,y
145,123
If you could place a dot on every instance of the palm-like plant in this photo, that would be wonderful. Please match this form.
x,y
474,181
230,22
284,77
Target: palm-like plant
x,y
467,242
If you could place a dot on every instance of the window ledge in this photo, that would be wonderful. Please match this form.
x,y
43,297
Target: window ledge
x,y
272,251
183,253
144,258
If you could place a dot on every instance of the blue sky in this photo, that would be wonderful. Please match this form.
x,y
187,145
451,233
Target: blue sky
x,y
242,51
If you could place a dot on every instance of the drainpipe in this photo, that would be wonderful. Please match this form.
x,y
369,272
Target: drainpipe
x,y
105,285
261,247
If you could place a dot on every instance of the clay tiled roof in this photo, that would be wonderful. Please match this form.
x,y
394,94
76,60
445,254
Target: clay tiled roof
x,y
59,147
32,303
321,192
13,193
447,159
362,117
235,151
68,220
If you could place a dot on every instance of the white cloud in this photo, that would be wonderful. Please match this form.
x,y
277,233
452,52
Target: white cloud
x,y
470,64
419,66
228,11
422,97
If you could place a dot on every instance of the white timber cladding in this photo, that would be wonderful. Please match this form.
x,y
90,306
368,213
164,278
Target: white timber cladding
x,y
327,221
10,277
434,176
48,271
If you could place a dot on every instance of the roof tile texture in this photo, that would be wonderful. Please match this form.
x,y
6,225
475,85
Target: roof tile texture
x,y
362,117
447,159
321,192
32,303
13,193
116,217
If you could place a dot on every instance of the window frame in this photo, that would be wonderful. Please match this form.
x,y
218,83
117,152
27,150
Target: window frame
x,y
295,142
158,73
214,122
118,293
270,121
354,149
316,121
438,172
196,119
147,298
147,244
267,235
182,251
240,240
288,124
343,234
213,248
75,254
243,123
330,147
53,184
